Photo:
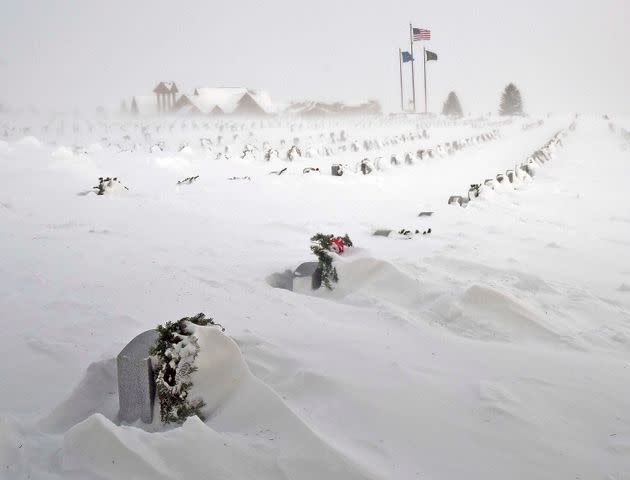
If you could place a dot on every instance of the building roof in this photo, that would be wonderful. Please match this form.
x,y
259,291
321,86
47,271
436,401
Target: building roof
x,y
228,99
166,87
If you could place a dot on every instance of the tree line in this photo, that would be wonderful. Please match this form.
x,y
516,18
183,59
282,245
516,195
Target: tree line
x,y
511,103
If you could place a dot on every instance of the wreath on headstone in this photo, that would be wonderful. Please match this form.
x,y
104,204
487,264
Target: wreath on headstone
x,y
106,183
322,246
176,349
188,180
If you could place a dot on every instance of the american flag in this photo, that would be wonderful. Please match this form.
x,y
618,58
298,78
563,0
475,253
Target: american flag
x,y
421,34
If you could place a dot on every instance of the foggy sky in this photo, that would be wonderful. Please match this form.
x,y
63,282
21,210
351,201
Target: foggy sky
x,y
564,55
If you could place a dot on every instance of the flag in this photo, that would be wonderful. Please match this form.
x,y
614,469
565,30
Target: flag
x,y
406,57
431,56
421,34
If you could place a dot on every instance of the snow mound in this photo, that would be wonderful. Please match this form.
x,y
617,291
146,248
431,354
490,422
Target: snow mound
x,y
220,368
12,459
479,312
178,163
369,280
4,148
94,148
249,433
96,393
30,142
62,152
486,313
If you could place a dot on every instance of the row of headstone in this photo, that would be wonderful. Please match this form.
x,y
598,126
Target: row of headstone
x,y
526,169
367,166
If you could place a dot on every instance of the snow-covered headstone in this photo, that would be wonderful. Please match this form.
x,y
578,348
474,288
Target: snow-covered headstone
x,y
455,200
336,170
307,276
136,384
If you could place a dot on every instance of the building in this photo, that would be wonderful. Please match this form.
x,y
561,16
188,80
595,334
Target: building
x,y
165,94
225,101
203,101
322,109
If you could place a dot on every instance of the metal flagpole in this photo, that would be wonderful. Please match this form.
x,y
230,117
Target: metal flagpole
x,y
402,105
424,57
413,76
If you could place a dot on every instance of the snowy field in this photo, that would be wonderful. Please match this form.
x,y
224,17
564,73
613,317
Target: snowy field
x,y
496,347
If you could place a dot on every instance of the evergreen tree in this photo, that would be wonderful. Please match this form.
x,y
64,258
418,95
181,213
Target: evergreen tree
x,y
452,107
511,102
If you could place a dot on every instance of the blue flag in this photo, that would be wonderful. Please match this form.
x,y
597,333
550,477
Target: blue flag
x,y
406,57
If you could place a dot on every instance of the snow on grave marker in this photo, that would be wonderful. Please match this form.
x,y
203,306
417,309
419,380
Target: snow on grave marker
x,y
455,200
366,166
336,170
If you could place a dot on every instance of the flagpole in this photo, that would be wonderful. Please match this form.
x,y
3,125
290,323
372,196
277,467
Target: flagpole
x,y
424,57
402,107
413,76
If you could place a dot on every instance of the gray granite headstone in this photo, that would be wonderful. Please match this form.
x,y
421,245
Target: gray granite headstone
x,y
310,273
336,170
382,233
136,384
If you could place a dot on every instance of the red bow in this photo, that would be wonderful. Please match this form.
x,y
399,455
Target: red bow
x,y
338,245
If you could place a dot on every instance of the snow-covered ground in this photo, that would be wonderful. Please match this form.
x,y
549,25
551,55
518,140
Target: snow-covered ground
x,y
496,347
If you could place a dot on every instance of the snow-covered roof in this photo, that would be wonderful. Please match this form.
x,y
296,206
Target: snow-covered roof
x,y
228,98
264,100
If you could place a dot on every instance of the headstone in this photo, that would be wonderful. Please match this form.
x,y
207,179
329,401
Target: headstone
x,y
455,200
529,169
307,276
336,170
365,167
136,384
425,214
382,233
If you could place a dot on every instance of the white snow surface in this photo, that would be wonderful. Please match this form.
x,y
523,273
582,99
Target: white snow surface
x,y
496,347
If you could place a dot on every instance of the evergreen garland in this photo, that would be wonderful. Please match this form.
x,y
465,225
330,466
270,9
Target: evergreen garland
x,y
106,183
322,246
188,180
176,349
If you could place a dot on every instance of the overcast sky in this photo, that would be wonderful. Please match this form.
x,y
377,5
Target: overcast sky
x,y
563,55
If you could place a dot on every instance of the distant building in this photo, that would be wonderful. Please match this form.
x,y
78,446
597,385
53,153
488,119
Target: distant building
x,y
165,94
319,109
225,101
